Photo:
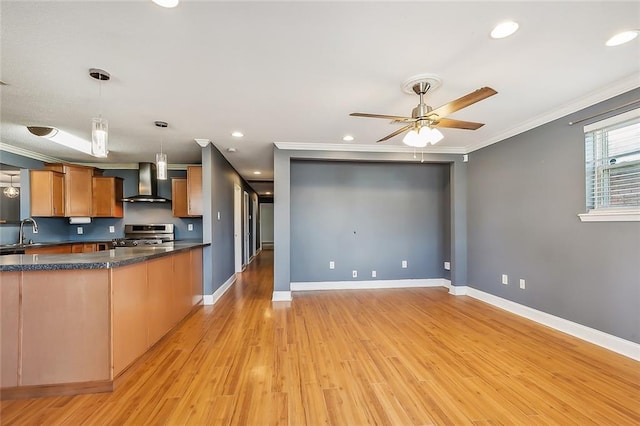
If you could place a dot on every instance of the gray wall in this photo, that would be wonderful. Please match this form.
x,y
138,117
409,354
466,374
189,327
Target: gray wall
x,y
284,217
266,223
218,180
524,195
364,217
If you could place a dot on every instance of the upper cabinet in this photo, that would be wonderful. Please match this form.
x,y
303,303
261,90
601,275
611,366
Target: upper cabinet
x,y
78,186
194,190
107,196
186,194
47,193
68,190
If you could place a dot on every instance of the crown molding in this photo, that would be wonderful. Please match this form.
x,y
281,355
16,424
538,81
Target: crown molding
x,y
105,166
621,86
29,154
301,146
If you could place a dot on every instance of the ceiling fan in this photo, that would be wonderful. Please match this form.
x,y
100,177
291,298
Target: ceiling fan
x,y
424,119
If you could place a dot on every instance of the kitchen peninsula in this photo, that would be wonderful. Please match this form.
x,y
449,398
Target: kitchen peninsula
x,y
74,323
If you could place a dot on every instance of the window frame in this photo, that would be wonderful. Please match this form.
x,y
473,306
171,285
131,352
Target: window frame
x,y
607,214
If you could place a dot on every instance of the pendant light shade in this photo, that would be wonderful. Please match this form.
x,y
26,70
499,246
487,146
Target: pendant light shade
x,y
99,126
161,165
161,158
11,191
99,137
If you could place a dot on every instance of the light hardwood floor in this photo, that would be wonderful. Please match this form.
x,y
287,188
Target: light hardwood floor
x,y
397,357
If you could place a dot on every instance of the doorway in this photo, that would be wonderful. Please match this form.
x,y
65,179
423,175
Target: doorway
x,y
237,227
246,229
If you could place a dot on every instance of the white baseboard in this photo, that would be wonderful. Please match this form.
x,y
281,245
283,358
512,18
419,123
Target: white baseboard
x,y
367,285
211,299
597,337
281,296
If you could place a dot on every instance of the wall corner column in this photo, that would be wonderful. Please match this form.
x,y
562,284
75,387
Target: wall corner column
x,y
281,225
458,176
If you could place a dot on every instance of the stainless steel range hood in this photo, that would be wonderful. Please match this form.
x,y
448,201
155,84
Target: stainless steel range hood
x,y
147,186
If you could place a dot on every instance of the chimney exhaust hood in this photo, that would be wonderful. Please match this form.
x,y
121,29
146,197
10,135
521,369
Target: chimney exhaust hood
x,y
147,186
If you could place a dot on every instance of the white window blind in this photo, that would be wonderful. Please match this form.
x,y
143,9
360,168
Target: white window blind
x,y
612,163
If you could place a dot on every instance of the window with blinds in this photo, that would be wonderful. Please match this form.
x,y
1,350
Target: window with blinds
x,y
612,163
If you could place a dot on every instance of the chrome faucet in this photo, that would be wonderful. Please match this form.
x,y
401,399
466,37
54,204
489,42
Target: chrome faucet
x,y
34,228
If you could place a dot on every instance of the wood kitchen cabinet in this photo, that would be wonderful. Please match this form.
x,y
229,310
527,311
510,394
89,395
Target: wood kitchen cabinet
x,y
57,249
194,190
78,186
186,194
107,196
179,197
47,193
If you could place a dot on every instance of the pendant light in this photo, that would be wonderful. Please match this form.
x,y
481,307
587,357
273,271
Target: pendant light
x,y
161,158
11,191
99,125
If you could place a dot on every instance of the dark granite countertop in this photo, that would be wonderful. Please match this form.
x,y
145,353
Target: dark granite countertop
x,y
97,260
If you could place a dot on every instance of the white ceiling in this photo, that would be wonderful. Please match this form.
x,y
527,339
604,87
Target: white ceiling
x,y
293,71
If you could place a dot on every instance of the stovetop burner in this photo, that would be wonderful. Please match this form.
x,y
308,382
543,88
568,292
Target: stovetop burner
x,y
145,235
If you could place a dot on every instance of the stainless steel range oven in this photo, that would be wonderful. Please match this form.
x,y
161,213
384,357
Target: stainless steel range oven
x,y
145,235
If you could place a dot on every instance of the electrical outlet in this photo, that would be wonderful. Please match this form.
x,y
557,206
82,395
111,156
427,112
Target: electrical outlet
x,y
374,274
505,279
35,231
190,227
79,230
332,264
355,274
522,284
112,229
447,266
404,264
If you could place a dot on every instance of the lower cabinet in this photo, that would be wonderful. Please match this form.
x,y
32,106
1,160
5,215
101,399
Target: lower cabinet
x,y
9,328
149,299
72,331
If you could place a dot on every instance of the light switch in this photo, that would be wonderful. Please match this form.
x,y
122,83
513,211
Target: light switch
x,y
190,227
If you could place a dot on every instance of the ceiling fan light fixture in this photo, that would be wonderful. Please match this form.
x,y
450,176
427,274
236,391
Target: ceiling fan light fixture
x,y
622,38
504,29
414,139
431,135
167,3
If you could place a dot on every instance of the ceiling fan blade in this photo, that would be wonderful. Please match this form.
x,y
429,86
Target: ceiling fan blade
x,y
457,124
387,117
463,102
397,132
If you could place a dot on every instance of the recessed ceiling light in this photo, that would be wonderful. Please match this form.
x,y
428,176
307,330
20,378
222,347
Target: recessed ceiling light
x,y
237,134
166,3
622,38
257,172
504,29
231,150
347,138
267,193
